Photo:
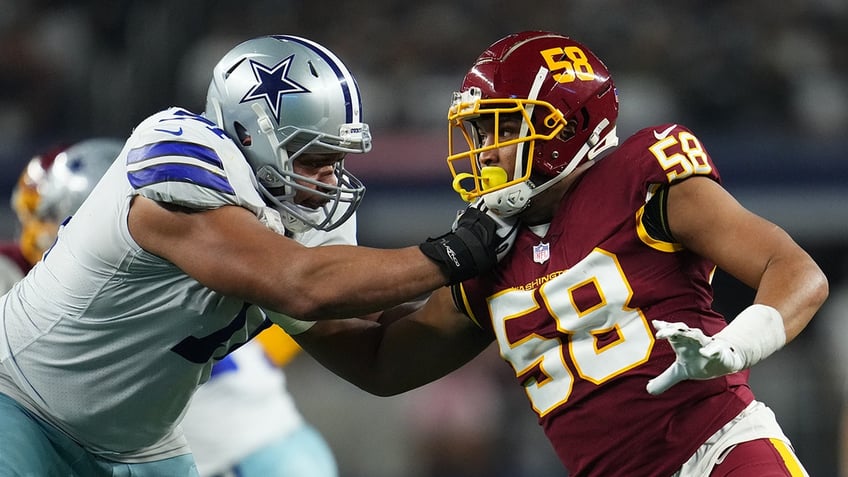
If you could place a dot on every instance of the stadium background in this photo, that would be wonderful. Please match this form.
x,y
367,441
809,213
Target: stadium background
x,y
765,86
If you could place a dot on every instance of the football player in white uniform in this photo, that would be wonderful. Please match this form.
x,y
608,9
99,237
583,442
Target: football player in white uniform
x,y
243,420
180,255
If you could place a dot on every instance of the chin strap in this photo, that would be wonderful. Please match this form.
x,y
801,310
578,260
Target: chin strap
x,y
591,149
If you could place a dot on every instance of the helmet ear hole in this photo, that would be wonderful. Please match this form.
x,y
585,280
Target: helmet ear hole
x,y
312,69
584,112
569,130
244,137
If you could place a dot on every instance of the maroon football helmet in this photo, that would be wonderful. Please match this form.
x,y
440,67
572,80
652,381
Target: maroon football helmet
x,y
568,105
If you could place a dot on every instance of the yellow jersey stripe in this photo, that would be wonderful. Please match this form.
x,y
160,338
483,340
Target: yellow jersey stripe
x,y
789,459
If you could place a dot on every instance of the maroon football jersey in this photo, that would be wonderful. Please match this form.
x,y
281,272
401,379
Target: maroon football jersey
x,y
571,312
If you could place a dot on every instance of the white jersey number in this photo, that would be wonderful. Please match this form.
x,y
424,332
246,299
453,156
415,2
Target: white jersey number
x,y
604,337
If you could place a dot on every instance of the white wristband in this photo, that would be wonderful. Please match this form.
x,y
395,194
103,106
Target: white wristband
x,y
290,325
756,333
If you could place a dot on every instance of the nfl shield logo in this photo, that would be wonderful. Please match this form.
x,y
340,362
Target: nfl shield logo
x,y
541,252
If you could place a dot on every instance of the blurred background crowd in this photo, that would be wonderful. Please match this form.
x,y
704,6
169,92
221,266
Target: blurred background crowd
x,y
763,84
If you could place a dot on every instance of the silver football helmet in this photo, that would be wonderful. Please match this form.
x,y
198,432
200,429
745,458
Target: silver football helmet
x,y
73,174
52,187
279,97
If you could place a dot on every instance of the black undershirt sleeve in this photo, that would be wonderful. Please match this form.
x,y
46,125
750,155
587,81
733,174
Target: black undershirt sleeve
x,y
456,294
655,218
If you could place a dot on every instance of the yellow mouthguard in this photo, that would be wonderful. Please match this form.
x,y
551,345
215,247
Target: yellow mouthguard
x,y
490,177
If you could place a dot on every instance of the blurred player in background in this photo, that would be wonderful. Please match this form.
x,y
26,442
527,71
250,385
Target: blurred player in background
x,y
243,420
603,306
201,234
49,189
17,256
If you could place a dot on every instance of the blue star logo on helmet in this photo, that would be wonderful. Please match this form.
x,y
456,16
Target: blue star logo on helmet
x,y
75,164
273,84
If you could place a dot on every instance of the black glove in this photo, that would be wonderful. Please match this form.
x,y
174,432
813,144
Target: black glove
x,y
470,249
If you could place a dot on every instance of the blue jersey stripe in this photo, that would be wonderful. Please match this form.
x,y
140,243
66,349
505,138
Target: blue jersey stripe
x,y
174,148
175,172
226,365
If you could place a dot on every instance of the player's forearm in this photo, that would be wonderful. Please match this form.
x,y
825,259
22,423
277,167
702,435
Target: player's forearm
x,y
796,287
343,281
351,350
389,359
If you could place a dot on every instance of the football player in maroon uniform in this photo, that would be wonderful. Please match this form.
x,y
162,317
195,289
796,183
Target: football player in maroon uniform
x,y
603,305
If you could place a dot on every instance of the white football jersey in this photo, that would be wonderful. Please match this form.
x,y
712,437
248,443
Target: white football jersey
x,y
246,405
107,341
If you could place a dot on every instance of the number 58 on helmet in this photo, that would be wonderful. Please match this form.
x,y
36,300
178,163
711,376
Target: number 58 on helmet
x,y
566,102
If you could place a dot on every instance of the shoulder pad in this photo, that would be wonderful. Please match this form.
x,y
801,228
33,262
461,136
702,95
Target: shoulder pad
x,y
668,153
182,158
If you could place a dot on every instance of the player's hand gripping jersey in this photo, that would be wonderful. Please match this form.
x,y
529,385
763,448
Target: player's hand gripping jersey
x,y
571,311
146,324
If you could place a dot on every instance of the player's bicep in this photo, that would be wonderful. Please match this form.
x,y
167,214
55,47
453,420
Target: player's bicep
x,y
441,313
431,342
221,248
441,329
707,220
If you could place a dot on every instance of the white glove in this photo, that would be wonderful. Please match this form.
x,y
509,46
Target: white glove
x,y
753,335
507,227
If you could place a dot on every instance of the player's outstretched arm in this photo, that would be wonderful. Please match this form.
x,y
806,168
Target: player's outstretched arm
x,y
790,286
230,251
709,221
392,356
